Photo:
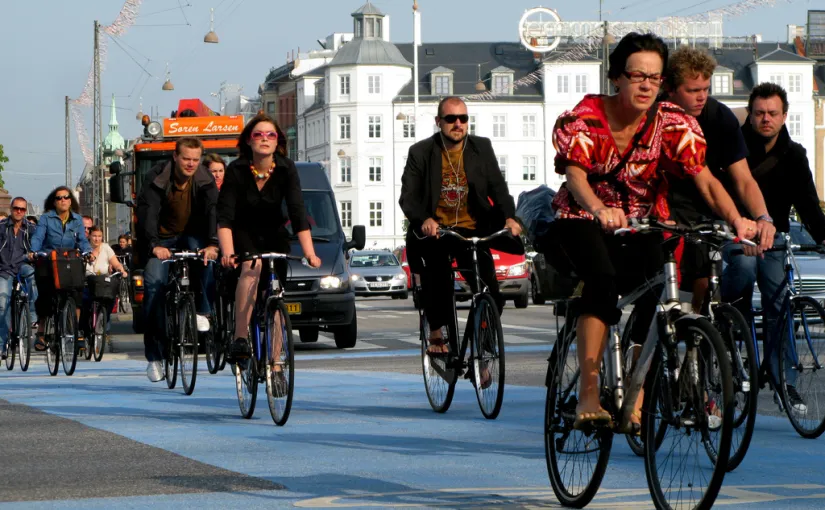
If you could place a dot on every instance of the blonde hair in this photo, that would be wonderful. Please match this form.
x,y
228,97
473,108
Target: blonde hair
x,y
685,63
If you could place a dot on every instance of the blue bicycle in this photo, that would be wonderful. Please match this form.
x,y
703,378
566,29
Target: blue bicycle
x,y
273,358
19,340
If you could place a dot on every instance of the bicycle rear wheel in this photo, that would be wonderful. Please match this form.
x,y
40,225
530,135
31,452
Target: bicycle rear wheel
x,y
487,356
52,346
280,365
23,336
67,332
11,354
246,383
188,347
211,340
702,381
98,345
803,384
736,333
576,459
228,331
439,375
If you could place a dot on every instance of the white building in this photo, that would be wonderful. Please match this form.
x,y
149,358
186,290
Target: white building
x,y
355,108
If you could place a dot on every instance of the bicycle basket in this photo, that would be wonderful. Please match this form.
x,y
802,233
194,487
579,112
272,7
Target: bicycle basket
x,y
64,269
104,286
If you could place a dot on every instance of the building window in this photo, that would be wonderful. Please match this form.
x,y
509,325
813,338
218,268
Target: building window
x,y
346,170
776,78
270,107
581,84
374,84
795,124
529,128
319,92
376,214
499,126
471,127
529,168
375,169
502,84
408,130
374,126
344,84
441,85
344,125
373,27
563,84
794,83
502,165
346,214
721,84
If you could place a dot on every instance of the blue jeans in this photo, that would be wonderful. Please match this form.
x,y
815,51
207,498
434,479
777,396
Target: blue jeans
x,y
6,285
738,277
155,278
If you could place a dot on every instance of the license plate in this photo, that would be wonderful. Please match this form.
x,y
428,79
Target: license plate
x,y
379,285
293,308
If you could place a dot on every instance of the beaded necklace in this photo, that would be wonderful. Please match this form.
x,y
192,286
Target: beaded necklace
x,y
262,176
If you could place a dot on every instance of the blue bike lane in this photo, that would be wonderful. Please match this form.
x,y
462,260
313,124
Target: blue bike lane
x,y
370,439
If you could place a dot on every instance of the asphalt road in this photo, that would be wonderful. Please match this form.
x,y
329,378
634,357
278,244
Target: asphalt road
x,y
361,435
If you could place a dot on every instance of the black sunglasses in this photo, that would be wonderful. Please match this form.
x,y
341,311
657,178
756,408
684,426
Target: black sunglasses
x,y
450,119
18,209
62,197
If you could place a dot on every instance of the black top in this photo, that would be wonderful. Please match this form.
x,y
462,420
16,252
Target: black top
x,y
789,183
258,215
726,146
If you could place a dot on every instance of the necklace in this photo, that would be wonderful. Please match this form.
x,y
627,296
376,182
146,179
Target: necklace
x,y
262,176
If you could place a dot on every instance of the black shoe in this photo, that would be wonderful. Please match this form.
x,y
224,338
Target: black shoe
x,y
239,350
796,403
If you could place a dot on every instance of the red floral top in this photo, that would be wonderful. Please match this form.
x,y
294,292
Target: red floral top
x,y
582,137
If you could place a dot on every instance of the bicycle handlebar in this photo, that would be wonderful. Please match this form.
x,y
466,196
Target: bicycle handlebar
x,y
702,229
185,255
271,255
461,238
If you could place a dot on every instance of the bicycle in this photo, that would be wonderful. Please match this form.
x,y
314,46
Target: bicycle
x,y
683,379
220,338
273,358
103,292
486,349
19,340
181,328
124,295
798,312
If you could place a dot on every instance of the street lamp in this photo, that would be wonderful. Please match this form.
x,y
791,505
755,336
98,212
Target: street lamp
x,y
341,153
211,36
167,85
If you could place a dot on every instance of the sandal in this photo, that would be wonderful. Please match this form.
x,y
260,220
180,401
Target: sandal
x,y
437,342
488,381
636,425
597,419
40,343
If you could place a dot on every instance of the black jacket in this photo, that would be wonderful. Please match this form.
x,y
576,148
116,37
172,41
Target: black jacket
x,y
788,183
421,184
202,222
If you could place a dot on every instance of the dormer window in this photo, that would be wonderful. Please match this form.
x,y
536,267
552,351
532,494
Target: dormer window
x,y
319,92
722,84
502,78
441,81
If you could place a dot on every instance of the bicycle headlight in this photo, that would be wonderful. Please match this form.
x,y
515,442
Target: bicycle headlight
x,y
330,282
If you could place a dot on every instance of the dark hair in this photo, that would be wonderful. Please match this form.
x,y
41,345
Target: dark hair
x,y
15,199
213,157
94,229
634,43
87,217
189,143
767,90
449,99
243,139
32,219
122,236
48,204
4,213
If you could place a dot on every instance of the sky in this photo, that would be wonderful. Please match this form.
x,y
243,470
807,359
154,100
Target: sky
x,y
46,52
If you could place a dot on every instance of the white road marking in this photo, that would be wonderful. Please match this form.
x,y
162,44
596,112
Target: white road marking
x,y
524,328
360,345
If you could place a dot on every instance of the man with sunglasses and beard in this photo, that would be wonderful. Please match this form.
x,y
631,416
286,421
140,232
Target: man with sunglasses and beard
x,y
175,210
452,180
15,243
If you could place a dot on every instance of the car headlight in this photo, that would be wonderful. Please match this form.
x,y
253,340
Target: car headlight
x,y
518,270
400,276
330,282
354,277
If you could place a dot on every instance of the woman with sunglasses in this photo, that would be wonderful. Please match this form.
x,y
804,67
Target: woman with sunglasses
x,y
250,218
60,228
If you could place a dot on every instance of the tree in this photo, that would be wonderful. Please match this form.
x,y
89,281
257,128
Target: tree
x,y
3,159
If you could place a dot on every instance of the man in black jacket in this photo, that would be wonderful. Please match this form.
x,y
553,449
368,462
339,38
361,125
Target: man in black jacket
x,y
452,180
175,210
780,167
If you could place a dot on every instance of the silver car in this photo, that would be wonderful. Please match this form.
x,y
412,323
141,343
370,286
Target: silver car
x,y
377,273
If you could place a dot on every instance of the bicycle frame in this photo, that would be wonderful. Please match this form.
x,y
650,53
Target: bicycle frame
x,y
273,291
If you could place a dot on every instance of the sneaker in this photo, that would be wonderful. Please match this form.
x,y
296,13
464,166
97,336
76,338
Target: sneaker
x,y
795,401
3,353
154,371
203,323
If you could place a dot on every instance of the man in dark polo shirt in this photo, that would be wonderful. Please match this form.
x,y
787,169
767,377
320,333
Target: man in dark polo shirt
x,y
175,210
688,75
15,244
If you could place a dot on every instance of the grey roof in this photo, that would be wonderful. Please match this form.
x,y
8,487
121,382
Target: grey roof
x,y
781,55
465,58
739,62
819,79
369,52
502,69
723,69
368,8
441,69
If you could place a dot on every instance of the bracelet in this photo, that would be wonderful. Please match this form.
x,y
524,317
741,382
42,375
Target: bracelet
x,y
765,217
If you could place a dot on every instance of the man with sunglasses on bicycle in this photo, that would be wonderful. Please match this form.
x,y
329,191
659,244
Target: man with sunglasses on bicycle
x,y
15,244
452,180
175,210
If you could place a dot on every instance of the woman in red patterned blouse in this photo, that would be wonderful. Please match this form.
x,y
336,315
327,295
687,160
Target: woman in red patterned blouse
x,y
590,142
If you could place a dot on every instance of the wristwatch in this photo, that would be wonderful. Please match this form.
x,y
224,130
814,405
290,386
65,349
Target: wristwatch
x,y
765,217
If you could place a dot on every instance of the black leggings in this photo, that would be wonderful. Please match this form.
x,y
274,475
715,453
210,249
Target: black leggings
x,y
608,265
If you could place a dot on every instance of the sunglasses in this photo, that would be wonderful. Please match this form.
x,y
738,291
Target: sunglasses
x,y
269,135
450,119
63,197
23,209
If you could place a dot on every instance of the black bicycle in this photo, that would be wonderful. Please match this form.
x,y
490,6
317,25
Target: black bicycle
x,y
60,328
484,336
19,340
103,290
220,338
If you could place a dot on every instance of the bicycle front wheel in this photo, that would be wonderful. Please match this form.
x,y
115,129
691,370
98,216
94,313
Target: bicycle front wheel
x,y
99,344
246,383
802,379
439,376
52,346
67,332
487,357
188,347
23,336
280,362
212,339
694,397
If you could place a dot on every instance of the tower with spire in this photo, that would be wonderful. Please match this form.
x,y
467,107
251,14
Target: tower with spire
x,y
114,140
